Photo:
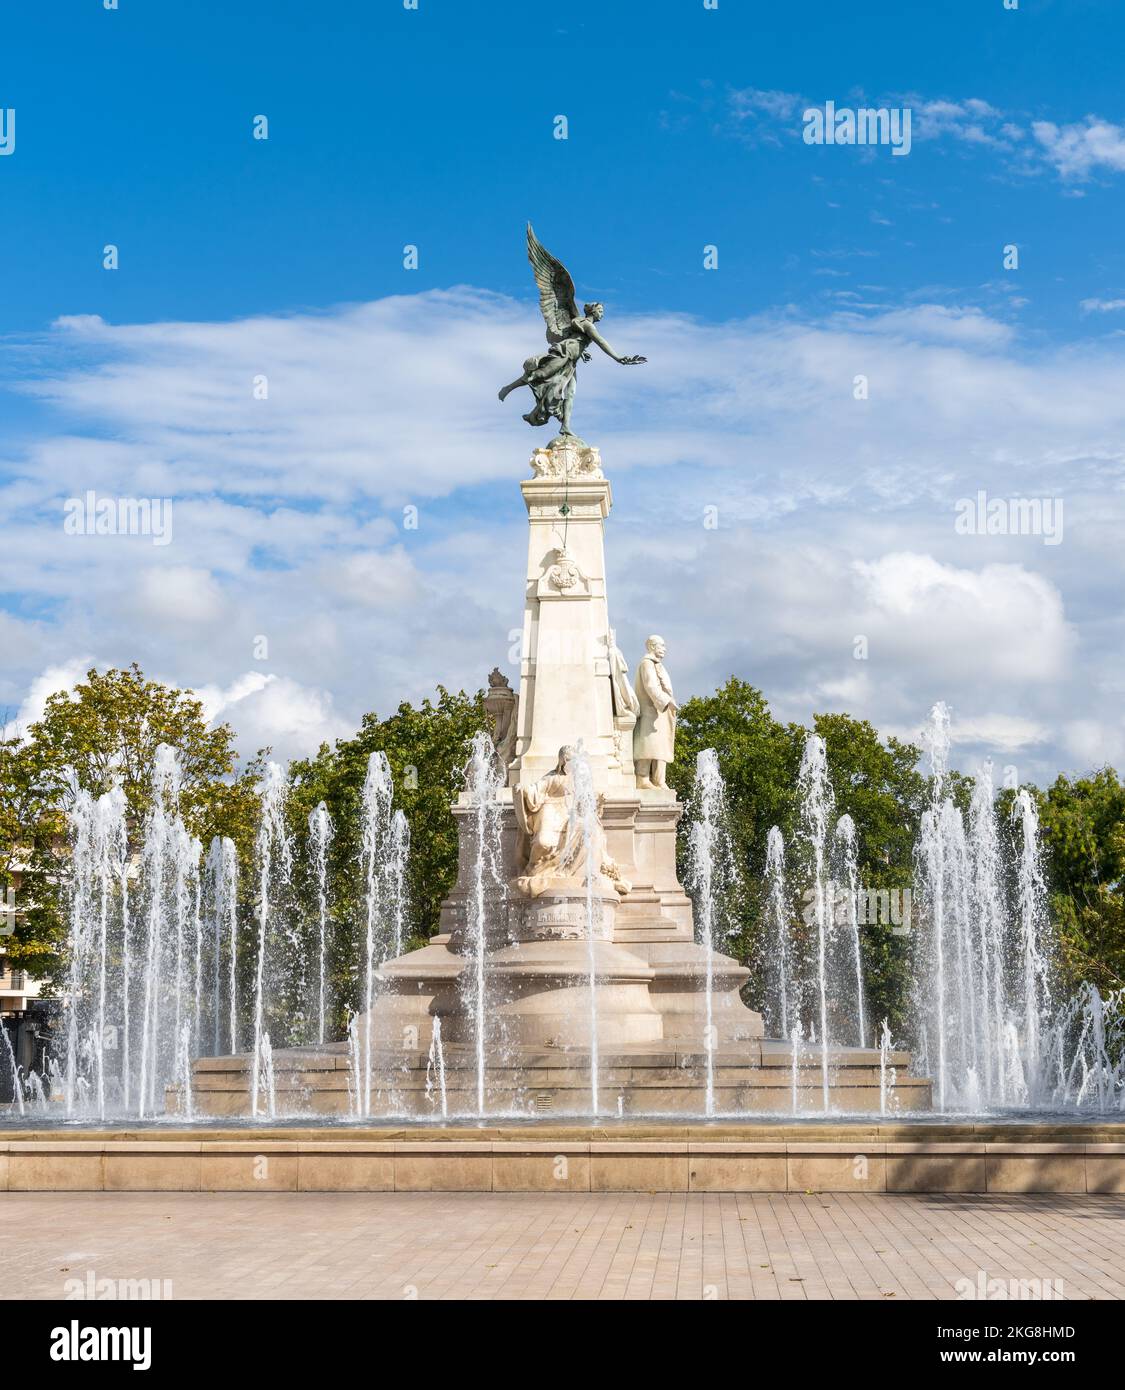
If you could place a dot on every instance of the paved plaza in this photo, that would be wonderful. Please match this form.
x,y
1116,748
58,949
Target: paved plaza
x,y
561,1246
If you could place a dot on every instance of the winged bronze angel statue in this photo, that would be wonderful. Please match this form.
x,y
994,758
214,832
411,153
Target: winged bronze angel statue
x,y
551,375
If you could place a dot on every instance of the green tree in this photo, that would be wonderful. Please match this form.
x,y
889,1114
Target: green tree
x,y
877,783
31,827
1083,824
758,758
105,730
427,748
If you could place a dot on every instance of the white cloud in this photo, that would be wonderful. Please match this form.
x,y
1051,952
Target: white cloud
x,y
271,711
836,514
218,702
375,580
1081,149
751,100
973,120
762,117
1003,734
1075,150
49,682
942,323
179,595
1094,743
1007,620
1101,306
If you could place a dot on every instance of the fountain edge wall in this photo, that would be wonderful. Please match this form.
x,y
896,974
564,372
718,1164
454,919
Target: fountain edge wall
x,y
840,1158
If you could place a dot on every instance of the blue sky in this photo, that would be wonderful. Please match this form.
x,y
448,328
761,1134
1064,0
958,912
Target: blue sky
x,y
434,127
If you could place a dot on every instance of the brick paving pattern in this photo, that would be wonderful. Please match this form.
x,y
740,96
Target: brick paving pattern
x,y
561,1246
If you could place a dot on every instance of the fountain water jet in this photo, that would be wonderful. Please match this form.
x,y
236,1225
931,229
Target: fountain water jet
x,y
846,838
435,1068
584,818
988,910
483,781
887,1073
931,1001
1034,951
398,853
784,1000
712,880
221,877
321,831
984,994
274,856
378,791
98,856
817,803
17,1088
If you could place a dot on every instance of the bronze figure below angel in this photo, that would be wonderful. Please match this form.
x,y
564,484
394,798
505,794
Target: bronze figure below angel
x,y
551,374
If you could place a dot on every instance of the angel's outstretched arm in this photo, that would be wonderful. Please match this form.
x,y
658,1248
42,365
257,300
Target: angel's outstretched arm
x,y
595,337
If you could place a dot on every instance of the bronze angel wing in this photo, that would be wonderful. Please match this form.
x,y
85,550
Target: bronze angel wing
x,y
556,289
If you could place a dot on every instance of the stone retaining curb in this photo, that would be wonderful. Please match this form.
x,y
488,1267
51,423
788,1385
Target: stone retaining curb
x,y
346,1164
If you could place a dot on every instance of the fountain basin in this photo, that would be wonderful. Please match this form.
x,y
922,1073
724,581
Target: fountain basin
x,y
983,1157
659,1077
541,998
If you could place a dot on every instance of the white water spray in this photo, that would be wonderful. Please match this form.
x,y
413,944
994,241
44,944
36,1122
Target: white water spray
x,y
321,831
377,794
817,804
274,860
584,821
435,1069
712,881
483,781
221,882
846,839
784,991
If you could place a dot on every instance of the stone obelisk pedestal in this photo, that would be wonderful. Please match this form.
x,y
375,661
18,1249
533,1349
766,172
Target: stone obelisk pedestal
x,y
650,975
565,694
567,697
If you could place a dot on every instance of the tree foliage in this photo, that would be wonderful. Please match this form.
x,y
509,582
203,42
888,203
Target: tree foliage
x,y
427,748
1083,823
110,725
105,730
875,781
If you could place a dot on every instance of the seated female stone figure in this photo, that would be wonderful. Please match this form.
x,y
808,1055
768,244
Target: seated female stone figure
x,y
553,842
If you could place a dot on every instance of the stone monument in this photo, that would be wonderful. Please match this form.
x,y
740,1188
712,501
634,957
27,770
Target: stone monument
x,y
585,968
575,691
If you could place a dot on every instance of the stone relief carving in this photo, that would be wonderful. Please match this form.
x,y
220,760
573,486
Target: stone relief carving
x,y
564,573
563,577
567,459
